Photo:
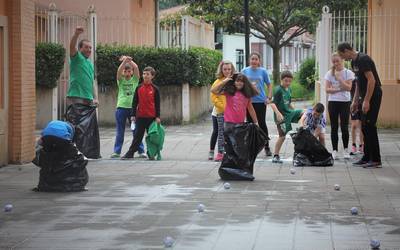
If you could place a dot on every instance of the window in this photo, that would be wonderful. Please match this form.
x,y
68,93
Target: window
x,y
239,60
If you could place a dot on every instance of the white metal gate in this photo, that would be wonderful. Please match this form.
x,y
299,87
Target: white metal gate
x,y
55,26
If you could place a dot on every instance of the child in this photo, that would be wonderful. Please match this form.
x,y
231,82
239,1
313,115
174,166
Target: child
x,y
238,91
127,80
356,125
314,120
145,109
284,112
225,70
258,76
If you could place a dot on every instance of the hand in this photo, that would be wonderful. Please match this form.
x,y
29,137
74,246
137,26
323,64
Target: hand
x,y
158,120
268,101
256,123
354,107
79,30
279,116
365,107
96,102
338,76
227,79
133,119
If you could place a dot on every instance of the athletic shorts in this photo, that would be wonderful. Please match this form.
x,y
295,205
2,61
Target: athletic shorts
x,y
292,117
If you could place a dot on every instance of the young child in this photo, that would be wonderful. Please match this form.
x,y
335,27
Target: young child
x,y
127,80
238,92
145,109
225,70
284,112
314,120
356,125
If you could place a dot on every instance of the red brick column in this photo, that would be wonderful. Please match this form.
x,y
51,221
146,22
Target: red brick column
x,y
22,108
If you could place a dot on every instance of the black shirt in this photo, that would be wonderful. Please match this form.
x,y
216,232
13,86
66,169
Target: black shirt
x,y
360,65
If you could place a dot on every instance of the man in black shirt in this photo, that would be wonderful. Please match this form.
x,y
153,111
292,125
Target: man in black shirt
x,y
369,91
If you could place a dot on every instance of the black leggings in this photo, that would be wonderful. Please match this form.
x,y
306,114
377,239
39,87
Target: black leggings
x,y
260,109
336,110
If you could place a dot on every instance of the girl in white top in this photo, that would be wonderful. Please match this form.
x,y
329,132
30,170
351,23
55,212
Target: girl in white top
x,y
338,82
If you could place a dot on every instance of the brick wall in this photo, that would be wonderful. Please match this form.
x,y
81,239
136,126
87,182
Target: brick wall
x,y
22,108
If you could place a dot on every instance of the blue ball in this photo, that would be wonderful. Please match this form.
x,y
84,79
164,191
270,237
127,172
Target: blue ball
x,y
354,211
375,244
8,208
168,241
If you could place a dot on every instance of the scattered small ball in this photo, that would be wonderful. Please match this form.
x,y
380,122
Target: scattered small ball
x,y
337,187
201,208
293,171
168,241
354,211
8,208
375,244
227,185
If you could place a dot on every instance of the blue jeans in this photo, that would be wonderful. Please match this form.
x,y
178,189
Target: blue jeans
x,y
121,116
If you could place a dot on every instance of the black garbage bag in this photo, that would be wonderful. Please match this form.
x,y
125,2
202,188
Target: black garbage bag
x,y
62,166
308,151
242,144
86,137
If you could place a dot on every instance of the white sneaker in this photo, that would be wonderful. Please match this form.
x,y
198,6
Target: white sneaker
x,y
346,154
335,155
142,155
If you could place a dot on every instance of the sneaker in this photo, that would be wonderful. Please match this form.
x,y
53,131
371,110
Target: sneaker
x,y
335,155
346,154
361,149
210,155
219,157
277,159
127,156
373,164
115,155
353,150
142,155
267,152
360,163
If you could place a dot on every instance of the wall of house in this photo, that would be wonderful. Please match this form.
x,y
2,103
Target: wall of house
x,y
384,49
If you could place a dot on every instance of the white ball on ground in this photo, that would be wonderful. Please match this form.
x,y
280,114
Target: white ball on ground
x,y
8,208
337,187
375,244
293,171
168,241
201,208
354,211
227,185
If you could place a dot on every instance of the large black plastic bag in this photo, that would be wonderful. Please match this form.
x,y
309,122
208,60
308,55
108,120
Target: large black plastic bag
x,y
87,138
308,151
62,166
242,145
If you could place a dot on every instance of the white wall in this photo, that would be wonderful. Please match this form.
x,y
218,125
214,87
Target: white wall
x,y
230,44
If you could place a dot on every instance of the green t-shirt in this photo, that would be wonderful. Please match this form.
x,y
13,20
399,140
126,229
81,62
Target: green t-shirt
x,y
126,91
81,76
282,99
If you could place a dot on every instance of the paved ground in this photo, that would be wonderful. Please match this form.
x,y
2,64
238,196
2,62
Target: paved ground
x,y
135,204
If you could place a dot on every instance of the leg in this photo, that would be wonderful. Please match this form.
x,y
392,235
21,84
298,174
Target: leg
x,y
261,109
370,124
120,119
141,125
344,113
279,144
214,133
141,145
220,137
321,138
354,128
334,117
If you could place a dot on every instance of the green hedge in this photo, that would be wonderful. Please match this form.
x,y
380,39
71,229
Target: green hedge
x,y
195,66
49,63
306,73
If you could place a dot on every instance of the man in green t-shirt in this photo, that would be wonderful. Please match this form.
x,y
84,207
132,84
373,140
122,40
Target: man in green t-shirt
x,y
81,76
284,112
127,79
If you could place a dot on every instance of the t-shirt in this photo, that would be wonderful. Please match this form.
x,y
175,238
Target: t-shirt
x,y
258,77
81,76
236,106
126,91
59,129
360,65
314,123
282,99
341,96
146,107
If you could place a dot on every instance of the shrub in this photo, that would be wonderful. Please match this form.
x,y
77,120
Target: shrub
x,y
49,63
174,66
306,73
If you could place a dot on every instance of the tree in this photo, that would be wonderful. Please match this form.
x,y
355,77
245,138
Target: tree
x,y
270,20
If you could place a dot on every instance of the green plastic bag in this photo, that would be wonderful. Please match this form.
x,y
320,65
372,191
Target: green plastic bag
x,y
155,140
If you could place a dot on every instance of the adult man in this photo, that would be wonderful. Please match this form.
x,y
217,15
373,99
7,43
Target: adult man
x,y
82,97
368,89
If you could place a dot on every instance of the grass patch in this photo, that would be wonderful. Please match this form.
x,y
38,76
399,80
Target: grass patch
x,y
299,92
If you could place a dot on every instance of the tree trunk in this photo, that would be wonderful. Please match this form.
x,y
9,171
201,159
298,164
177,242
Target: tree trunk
x,y
276,59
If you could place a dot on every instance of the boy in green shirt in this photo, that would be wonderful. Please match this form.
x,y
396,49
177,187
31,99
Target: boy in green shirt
x,y
284,112
127,80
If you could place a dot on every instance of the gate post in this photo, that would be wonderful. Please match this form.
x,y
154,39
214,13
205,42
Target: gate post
x,y
324,44
52,37
92,31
